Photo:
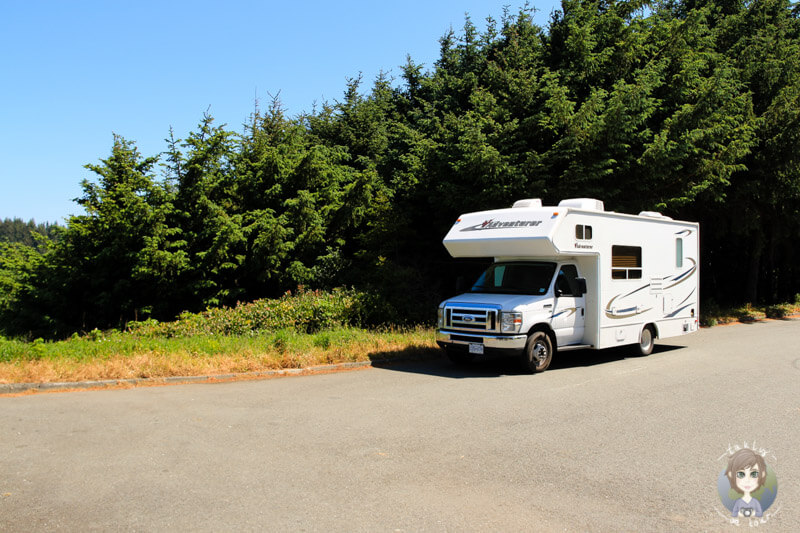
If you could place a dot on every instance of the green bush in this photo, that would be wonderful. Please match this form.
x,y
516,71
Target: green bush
x,y
12,350
281,340
17,350
746,313
322,340
303,311
708,321
778,311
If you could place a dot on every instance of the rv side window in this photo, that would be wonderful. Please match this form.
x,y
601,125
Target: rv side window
x,y
567,281
499,272
679,253
626,262
583,232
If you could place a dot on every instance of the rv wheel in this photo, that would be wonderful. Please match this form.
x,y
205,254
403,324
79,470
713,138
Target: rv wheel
x,y
647,341
538,352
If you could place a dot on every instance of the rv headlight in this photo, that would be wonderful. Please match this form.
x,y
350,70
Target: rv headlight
x,y
440,317
510,322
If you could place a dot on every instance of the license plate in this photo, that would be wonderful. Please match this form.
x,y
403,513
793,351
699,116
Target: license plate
x,y
476,348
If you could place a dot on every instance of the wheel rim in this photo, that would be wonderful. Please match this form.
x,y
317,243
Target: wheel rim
x,y
540,353
647,339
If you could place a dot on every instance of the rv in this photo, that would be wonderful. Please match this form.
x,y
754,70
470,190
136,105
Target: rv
x,y
570,277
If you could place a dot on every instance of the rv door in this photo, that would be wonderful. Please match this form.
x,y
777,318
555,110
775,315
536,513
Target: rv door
x,y
569,306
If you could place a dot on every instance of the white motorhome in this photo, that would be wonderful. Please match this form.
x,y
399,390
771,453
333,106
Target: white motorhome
x,y
570,277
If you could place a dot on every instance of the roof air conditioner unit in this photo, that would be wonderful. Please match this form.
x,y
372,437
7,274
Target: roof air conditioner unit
x,y
530,202
589,204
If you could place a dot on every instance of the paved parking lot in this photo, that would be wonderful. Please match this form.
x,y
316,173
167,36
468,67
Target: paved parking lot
x,y
602,441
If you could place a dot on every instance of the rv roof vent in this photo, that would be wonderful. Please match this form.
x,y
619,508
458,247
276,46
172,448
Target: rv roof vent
x,y
530,202
583,203
653,214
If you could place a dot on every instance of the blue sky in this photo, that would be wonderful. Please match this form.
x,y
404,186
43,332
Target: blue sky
x,y
74,73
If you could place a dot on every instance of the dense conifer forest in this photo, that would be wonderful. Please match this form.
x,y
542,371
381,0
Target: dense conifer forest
x,y
27,233
686,107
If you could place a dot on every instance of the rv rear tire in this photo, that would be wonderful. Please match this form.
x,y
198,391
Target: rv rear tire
x,y
538,352
647,341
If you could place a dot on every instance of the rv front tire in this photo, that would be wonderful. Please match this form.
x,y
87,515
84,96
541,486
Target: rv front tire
x,y
538,352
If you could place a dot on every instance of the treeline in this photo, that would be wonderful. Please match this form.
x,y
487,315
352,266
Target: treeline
x,y
27,233
689,108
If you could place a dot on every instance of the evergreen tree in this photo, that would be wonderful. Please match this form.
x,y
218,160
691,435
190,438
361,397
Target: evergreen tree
x,y
685,106
101,273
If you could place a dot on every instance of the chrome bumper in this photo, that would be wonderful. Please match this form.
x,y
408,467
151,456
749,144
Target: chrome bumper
x,y
503,342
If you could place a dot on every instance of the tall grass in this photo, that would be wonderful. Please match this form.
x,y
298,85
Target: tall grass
x,y
297,330
121,355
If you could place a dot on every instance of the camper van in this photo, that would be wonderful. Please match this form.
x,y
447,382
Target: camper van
x,y
568,277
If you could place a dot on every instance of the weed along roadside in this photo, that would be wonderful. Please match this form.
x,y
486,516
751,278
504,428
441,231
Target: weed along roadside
x,y
307,330
120,360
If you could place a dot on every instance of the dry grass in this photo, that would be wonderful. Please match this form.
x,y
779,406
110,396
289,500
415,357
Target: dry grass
x,y
122,356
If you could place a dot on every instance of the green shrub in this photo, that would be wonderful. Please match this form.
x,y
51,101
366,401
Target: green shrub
x,y
778,311
708,321
303,311
281,340
322,340
746,313
12,350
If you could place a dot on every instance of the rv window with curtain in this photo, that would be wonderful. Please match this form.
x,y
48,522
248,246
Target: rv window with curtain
x,y
679,253
626,262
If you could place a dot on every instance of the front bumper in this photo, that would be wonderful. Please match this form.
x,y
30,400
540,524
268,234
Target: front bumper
x,y
499,343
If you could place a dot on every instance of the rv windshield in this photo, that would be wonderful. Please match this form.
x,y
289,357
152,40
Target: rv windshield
x,y
516,278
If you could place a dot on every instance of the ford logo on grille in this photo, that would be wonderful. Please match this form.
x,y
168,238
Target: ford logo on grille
x,y
468,319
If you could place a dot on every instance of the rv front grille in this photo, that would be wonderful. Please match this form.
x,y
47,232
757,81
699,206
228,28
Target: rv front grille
x,y
472,317
464,338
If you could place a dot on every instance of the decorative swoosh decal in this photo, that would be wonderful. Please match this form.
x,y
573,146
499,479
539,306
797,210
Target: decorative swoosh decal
x,y
687,297
672,314
683,277
673,281
624,313
570,310
637,290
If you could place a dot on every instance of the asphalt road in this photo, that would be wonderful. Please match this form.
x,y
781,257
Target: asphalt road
x,y
600,442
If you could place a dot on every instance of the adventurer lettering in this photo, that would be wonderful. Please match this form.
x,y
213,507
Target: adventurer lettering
x,y
496,224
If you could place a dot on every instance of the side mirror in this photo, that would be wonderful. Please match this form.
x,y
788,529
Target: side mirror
x,y
581,285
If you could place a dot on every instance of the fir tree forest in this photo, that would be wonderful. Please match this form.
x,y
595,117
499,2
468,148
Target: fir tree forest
x,y
687,107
